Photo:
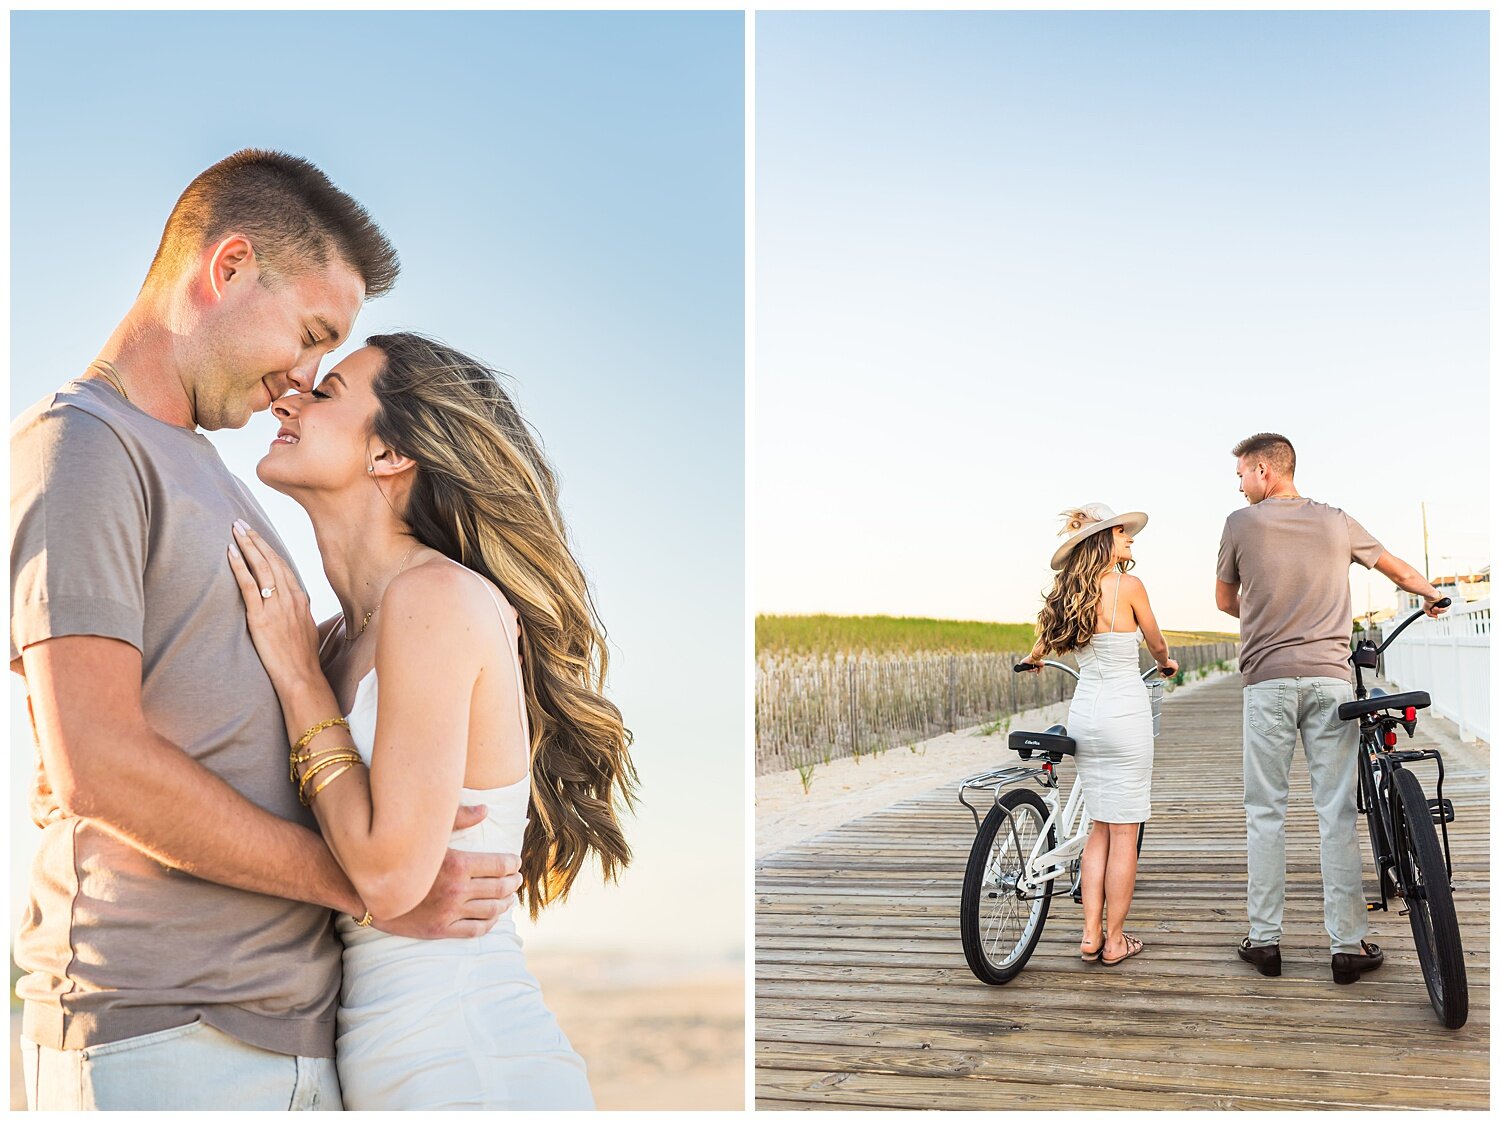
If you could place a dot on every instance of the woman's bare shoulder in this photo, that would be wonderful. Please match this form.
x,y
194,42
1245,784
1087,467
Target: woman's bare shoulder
x,y
438,589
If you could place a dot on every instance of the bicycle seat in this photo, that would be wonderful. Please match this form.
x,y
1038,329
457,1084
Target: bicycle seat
x,y
1379,702
1054,743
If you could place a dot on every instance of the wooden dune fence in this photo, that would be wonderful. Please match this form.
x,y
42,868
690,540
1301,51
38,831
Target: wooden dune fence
x,y
812,709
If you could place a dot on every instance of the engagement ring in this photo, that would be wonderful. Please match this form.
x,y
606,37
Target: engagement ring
x,y
267,593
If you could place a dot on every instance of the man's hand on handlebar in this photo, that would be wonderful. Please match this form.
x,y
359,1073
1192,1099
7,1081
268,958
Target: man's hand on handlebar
x,y
1432,606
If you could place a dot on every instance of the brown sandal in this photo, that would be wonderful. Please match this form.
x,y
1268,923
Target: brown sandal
x,y
1133,946
1085,955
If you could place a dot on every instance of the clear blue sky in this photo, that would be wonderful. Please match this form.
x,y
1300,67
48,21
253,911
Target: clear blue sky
x,y
567,194
1008,262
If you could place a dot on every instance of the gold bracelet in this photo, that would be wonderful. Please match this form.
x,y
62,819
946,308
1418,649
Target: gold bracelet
x,y
323,759
328,780
306,738
321,765
313,764
307,757
320,726
367,920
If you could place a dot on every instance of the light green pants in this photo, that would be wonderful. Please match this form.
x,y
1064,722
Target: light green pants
x,y
193,1067
1275,711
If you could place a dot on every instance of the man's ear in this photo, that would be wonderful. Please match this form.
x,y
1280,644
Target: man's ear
x,y
232,261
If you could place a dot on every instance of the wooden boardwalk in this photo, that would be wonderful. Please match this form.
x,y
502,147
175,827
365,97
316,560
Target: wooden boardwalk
x,y
863,999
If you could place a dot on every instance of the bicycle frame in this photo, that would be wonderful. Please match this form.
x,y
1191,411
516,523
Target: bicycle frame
x,y
1072,819
1043,867
1379,761
1380,764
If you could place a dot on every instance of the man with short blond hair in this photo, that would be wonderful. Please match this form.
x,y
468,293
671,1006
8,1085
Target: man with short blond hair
x,y
178,947
1284,573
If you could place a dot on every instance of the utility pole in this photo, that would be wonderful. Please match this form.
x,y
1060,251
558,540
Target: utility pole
x,y
1426,570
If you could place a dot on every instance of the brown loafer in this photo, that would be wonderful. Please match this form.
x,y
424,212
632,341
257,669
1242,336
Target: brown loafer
x,y
1266,959
1348,967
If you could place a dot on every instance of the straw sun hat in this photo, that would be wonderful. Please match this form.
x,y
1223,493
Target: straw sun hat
x,y
1085,521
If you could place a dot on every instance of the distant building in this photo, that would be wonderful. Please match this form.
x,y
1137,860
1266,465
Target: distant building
x,y
1370,619
1461,589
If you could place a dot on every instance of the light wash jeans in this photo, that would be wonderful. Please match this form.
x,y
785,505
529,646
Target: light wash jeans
x,y
1275,711
189,1067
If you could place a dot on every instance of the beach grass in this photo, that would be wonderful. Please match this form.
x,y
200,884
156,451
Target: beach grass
x,y
882,634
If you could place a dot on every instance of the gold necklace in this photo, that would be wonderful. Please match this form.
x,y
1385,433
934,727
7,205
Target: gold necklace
x,y
109,371
371,613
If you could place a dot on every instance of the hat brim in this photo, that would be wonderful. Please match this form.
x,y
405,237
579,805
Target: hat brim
x,y
1133,522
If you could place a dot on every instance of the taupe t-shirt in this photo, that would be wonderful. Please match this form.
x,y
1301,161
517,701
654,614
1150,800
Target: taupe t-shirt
x,y
1291,557
120,526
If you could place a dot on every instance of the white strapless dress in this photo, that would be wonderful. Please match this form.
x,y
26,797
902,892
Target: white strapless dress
x,y
1110,718
454,1023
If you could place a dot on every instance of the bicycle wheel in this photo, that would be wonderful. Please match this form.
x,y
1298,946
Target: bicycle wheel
x,y
1429,902
998,926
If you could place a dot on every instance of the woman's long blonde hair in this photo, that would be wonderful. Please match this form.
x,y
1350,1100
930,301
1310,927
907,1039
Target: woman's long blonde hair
x,y
1070,613
485,496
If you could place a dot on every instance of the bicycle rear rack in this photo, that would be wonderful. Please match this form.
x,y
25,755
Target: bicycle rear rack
x,y
1441,809
993,781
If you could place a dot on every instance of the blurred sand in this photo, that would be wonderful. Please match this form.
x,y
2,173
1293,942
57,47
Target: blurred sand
x,y
655,1035
653,1038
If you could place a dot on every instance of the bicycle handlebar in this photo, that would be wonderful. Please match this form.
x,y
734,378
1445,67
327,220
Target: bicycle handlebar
x,y
1027,667
1444,602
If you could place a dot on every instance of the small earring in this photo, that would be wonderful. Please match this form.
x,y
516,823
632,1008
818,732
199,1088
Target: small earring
x,y
371,470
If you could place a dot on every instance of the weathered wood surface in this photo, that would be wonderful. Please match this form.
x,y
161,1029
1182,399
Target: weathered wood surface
x,y
863,999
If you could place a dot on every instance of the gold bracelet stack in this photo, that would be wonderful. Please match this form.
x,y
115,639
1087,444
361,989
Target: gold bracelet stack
x,y
324,761
307,738
367,920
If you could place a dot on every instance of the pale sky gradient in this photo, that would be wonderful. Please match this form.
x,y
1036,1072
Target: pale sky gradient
x,y
567,195
1008,262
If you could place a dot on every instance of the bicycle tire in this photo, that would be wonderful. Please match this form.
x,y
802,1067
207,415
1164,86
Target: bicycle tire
x,y
999,929
1429,903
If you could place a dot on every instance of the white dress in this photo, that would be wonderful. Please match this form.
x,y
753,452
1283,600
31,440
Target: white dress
x,y
452,1023
1110,718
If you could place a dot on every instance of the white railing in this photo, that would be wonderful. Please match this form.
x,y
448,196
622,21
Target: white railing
x,y
1449,657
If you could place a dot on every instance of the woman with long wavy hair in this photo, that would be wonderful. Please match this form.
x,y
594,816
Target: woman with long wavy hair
x,y
467,668
1099,613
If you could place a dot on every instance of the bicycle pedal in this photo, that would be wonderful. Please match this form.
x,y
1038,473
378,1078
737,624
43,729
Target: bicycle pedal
x,y
1442,810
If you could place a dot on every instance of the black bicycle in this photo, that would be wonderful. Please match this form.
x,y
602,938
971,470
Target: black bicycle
x,y
1410,864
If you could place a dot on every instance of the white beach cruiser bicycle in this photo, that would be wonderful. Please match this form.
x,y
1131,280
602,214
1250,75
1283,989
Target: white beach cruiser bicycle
x,y
1027,845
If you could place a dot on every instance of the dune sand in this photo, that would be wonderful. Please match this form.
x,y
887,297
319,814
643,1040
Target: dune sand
x,y
845,789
